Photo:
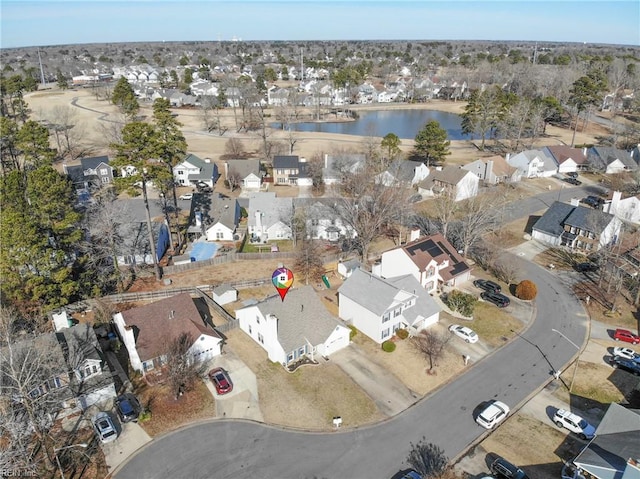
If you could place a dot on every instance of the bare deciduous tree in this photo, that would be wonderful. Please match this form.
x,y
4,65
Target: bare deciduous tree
x,y
480,217
308,262
234,148
233,179
431,344
445,208
427,459
183,368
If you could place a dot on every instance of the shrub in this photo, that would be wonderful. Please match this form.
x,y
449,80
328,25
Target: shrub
x,y
526,290
353,332
144,416
402,333
461,302
388,346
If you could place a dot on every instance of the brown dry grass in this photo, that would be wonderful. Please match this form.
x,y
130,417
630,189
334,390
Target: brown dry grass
x,y
167,413
310,404
494,325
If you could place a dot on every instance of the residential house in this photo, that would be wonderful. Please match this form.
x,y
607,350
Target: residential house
x,y
322,221
294,328
148,332
431,260
493,170
379,307
291,170
614,453
91,173
451,179
567,159
610,160
269,217
403,173
532,164
193,170
336,166
627,209
247,172
576,227
278,96
133,248
71,373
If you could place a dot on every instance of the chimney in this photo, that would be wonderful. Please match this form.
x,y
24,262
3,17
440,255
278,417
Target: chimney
x,y
226,170
584,151
198,216
488,173
326,159
64,168
575,202
259,221
172,314
506,158
415,234
129,335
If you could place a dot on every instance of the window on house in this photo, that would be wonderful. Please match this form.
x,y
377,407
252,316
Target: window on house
x,y
180,172
249,329
147,366
431,271
260,338
258,319
219,235
88,371
301,352
386,317
289,357
396,312
385,333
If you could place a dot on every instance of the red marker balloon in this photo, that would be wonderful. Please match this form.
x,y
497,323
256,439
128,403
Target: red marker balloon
x,y
282,279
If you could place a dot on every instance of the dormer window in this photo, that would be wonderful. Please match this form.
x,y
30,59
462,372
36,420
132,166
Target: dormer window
x,y
87,371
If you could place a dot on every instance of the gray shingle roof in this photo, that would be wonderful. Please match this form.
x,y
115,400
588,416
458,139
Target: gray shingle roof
x,y
301,316
605,155
559,214
286,161
244,167
551,222
273,209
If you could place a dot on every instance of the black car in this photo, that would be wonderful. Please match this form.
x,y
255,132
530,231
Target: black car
x,y
500,300
572,174
503,468
128,407
586,267
630,365
592,201
573,181
487,285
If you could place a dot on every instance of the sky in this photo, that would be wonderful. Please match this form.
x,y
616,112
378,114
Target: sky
x,y
61,22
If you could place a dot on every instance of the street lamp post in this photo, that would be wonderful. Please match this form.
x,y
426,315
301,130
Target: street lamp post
x,y
55,453
575,369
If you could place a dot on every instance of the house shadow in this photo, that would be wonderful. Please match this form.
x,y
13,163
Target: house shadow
x,y
528,228
629,386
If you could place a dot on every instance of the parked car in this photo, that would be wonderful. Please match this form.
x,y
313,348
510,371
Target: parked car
x,y
221,380
586,267
592,201
503,468
186,196
487,285
626,336
572,174
104,427
411,475
493,414
128,407
627,364
574,423
203,187
626,353
500,300
468,334
573,181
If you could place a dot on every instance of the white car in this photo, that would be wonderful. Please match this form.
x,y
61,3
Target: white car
x,y
493,414
468,334
104,427
186,196
574,423
626,353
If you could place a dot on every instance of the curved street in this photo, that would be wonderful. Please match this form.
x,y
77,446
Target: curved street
x,y
233,448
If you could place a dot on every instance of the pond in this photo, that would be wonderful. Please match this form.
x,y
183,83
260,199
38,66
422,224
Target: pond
x,y
404,123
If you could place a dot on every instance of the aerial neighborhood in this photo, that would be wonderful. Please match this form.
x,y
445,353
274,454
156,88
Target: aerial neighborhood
x,y
434,279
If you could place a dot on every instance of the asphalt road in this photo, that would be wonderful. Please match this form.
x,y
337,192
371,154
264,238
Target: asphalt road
x,y
242,449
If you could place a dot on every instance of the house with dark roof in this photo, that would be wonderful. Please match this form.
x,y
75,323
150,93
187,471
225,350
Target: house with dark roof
x,y
451,179
193,170
576,227
291,170
431,260
148,331
216,218
379,307
91,173
566,158
614,453
610,160
403,173
293,328
493,170
247,172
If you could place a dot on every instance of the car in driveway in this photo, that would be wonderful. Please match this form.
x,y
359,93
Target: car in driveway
x,y
626,336
468,334
502,468
487,285
573,181
586,267
626,353
411,475
626,364
221,380
128,407
104,427
186,196
592,201
493,414
500,300
574,423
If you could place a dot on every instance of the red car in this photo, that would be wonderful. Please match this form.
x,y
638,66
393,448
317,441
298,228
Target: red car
x,y
626,336
221,380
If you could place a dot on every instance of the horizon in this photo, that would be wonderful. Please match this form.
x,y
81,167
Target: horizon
x,y
46,23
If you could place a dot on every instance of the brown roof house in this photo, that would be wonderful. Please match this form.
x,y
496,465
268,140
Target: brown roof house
x,y
493,170
567,158
432,260
462,184
148,331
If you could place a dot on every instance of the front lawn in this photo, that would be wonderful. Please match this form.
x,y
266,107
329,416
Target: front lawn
x,y
494,325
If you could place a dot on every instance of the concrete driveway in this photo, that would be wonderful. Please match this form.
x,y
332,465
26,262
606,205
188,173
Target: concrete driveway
x,y
390,395
132,437
242,402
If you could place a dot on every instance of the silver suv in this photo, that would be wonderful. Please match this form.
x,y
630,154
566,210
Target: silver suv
x,y
574,423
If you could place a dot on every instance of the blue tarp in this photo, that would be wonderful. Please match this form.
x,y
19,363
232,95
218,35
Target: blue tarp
x,y
202,251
